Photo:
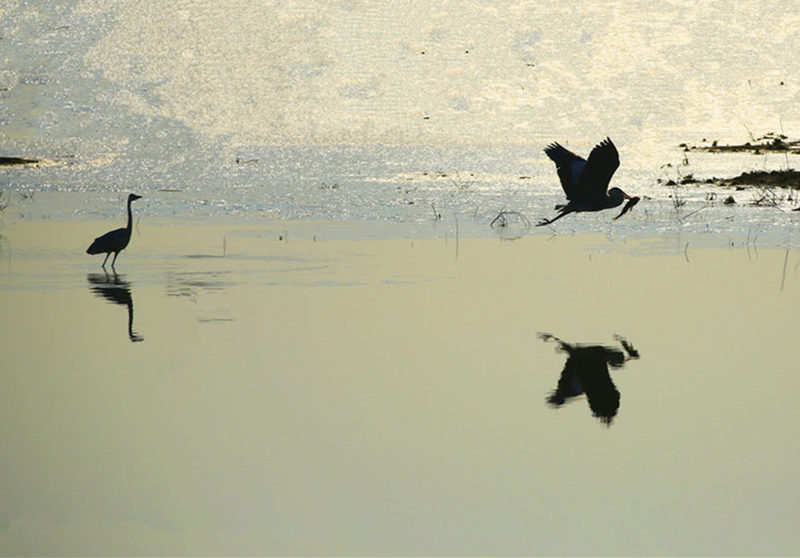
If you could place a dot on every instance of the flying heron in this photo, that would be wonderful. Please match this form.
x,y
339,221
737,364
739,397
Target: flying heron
x,y
585,181
116,240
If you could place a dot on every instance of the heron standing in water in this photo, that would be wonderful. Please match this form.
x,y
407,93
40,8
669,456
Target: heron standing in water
x,y
116,240
585,181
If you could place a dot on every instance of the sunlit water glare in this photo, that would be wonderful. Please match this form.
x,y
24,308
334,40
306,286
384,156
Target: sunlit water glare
x,y
424,115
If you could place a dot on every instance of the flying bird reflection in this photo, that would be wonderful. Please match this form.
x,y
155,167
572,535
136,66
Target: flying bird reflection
x,y
117,291
586,373
585,182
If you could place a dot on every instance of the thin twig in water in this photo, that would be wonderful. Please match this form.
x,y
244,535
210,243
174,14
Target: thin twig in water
x,y
751,243
455,216
501,220
686,252
785,153
677,200
460,184
768,197
692,213
785,261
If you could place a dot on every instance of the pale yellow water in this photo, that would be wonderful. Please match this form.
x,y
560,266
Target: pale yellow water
x,y
307,396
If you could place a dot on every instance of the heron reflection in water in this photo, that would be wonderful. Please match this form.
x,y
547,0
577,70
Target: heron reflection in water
x,y
115,290
586,372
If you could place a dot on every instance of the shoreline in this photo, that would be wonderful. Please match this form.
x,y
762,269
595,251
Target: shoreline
x,y
46,209
704,220
70,235
170,244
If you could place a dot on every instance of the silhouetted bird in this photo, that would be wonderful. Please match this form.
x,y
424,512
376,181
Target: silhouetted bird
x,y
585,181
116,290
586,373
116,240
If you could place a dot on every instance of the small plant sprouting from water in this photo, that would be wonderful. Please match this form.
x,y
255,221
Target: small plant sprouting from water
x,y
675,183
507,217
677,199
767,197
461,184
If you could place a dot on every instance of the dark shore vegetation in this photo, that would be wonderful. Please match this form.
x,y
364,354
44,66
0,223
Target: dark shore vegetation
x,y
12,161
770,187
768,142
785,178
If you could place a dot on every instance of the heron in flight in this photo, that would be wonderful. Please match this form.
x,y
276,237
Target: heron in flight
x,y
116,240
585,182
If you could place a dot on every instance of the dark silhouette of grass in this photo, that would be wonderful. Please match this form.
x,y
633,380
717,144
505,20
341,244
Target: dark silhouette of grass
x,y
10,161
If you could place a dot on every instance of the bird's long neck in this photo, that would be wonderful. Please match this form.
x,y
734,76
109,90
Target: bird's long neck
x,y
130,218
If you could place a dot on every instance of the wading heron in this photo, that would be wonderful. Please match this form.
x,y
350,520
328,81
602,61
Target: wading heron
x,y
585,182
116,240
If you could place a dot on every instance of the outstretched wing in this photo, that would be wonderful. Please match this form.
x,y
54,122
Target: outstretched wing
x,y
600,167
568,165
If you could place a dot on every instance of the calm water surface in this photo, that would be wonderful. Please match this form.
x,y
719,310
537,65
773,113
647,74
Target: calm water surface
x,y
395,396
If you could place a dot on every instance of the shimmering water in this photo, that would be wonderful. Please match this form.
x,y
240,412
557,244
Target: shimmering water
x,y
400,113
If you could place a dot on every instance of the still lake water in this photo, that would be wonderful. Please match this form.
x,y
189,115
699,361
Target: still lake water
x,y
316,343
391,396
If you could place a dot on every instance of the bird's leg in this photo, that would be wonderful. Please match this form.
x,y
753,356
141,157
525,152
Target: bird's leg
x,y
103,265
114,261
564,211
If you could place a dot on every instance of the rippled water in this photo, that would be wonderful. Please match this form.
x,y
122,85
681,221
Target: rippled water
x,y
435,119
